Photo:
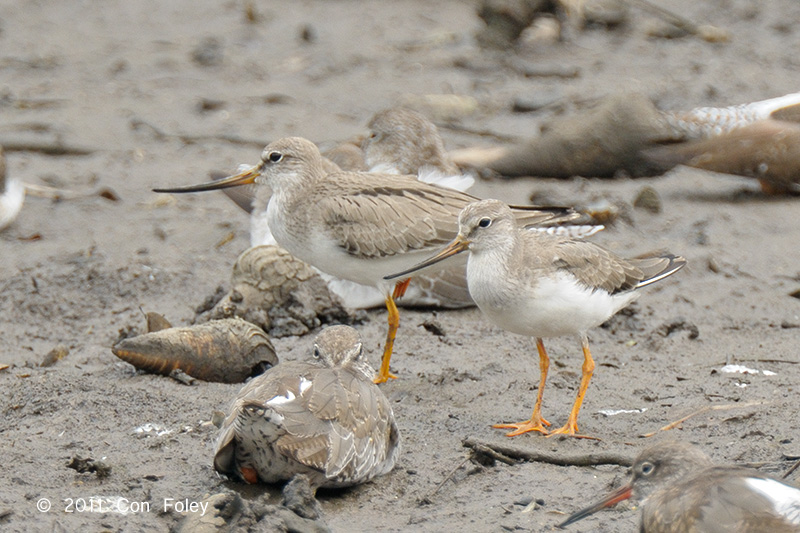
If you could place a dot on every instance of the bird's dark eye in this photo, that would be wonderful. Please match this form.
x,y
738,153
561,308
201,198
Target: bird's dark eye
x,y
485,222
275,156
317,353
647,468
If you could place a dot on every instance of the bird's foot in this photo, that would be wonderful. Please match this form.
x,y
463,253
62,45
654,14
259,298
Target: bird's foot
x,y
570,429
383,377
524,427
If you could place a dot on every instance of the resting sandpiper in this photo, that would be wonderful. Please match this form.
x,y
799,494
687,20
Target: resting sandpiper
x,y
681,491
323,418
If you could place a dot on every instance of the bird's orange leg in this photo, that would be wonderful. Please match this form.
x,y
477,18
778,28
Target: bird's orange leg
x,y
536,422
394,321
571,427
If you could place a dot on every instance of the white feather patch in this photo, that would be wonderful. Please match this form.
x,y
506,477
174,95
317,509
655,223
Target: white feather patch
x,y
304,385
459,182
785,499
280,400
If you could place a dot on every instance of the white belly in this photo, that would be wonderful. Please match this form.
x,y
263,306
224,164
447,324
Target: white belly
x,y
547,307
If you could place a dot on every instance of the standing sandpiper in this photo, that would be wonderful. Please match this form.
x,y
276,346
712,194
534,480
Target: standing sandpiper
x,y
325,419
681,491
355,225
541,285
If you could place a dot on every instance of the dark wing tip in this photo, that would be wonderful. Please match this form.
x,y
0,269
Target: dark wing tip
x,y
674,263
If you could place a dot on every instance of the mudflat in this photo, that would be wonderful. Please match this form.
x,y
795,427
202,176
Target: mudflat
x,y
160,94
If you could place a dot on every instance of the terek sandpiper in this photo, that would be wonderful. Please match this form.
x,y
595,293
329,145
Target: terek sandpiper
x,y
323,418
682,491
402,141
541,285
12,195
355,225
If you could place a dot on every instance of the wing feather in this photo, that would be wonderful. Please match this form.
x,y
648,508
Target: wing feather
x,y
398,214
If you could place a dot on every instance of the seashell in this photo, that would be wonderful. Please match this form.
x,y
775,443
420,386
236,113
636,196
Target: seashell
x,y
225,351
280,293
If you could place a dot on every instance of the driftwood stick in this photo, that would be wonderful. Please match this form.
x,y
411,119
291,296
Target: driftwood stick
x,y
158,133
671,17
494,454
513,452
676,423
774,361
47,148
474,131
44,191
792,469
704,31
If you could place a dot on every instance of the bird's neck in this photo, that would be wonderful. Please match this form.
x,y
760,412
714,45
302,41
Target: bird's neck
x,y
497,257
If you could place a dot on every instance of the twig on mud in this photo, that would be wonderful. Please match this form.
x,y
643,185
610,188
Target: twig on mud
x,y
427,499
776,361
52,193
676,423
792,469
47,148
704,31
584,459
192,139
492,453
537,70
472,131
57,195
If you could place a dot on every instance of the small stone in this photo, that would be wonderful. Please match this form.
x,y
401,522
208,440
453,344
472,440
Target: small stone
x,y
208,53
432,325
55,355
648,199
308,34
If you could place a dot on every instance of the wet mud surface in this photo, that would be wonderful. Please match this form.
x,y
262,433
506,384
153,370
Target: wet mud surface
x,y
163,94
